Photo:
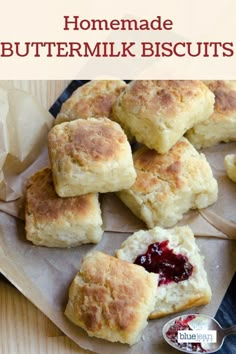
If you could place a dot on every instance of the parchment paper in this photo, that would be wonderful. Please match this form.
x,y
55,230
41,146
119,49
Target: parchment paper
x,y
43,275
24,127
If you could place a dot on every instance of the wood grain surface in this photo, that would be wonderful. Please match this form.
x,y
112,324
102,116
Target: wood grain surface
x,y
23,328
45,91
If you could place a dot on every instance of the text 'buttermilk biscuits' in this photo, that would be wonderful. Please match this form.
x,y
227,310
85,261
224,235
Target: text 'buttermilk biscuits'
x,y
111,299
91,155
60,222
174,255
93,99
221,125
168,185
158,112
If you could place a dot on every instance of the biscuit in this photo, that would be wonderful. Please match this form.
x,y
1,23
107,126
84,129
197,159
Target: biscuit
x,y
93,99
111,299
91,155
176,259
60,222
230,166
221,125
168,185
158,113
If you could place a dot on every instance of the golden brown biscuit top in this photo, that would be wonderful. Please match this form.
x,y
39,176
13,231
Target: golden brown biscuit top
x,y
84,140
166,172
147,183
225,95
162,98
94,99
100,86
43,202
109,291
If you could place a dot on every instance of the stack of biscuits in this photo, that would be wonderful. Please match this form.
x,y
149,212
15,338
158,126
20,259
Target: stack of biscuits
x,y
88,156
159,178
172,176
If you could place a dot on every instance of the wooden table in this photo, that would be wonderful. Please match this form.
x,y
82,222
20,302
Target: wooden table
x,y
23,328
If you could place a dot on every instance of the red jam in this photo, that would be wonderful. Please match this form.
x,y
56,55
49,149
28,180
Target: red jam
x,y
162,260
182,325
